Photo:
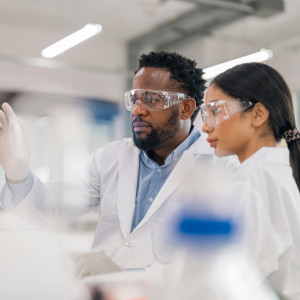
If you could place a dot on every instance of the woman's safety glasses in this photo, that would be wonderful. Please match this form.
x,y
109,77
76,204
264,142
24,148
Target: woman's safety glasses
x,y
152,100
215,112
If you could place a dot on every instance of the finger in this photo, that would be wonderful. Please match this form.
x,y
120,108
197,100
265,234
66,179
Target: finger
x,y
8,111
3,119
74,255
84,272
80,270
76,269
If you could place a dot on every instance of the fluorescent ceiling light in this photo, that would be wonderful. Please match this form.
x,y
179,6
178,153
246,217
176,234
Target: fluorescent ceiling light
x,y
72,40
262,55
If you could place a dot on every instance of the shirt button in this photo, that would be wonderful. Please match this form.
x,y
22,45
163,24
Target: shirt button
x,y
126,245
158,170
150,199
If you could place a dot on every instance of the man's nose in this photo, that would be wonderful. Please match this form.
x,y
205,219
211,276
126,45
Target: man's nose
x,y
139,110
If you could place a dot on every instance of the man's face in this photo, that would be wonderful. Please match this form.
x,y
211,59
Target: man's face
x,y
154,129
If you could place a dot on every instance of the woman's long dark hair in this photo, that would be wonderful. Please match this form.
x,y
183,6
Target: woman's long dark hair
x,y
261,83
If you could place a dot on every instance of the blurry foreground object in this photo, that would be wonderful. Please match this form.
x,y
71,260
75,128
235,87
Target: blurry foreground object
x,y
14,149
201,243
33,266
125,286
213,266
93,263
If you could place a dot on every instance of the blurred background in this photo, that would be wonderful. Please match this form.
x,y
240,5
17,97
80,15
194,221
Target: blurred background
x,y
73,103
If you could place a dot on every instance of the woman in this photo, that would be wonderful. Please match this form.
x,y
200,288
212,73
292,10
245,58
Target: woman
x,y
247,110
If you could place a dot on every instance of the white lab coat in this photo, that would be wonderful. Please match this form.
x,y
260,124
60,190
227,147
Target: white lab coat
x,y
112,181
269,201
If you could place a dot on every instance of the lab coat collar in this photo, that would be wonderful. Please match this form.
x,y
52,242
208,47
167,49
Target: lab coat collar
x,y
271,154
128,174
179,173
127,183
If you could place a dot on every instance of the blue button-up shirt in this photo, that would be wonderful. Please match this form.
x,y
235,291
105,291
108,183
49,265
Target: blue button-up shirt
x,y
152,177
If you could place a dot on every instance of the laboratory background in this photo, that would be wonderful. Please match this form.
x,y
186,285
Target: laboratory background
x,y
73,103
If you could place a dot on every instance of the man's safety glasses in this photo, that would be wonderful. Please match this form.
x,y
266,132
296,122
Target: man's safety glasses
x,y
215,112
152,100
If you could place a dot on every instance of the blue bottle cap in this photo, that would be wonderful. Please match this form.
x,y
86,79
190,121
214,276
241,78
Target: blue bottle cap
x,y
205,226
205,229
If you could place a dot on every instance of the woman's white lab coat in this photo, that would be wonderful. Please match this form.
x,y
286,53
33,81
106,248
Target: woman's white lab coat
x,y
111,182
269,200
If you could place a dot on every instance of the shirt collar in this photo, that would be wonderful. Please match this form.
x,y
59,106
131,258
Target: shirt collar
x,y
176,154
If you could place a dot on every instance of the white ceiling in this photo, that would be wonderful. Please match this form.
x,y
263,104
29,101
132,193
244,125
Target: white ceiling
x,y
121,19
27,26
278,31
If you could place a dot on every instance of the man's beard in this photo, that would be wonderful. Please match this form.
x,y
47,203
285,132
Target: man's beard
x,y
160,135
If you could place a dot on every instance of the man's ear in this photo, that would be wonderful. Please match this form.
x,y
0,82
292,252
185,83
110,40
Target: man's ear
x,y
187,108
260,114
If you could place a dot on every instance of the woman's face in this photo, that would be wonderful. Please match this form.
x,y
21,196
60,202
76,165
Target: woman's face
x,y
229,129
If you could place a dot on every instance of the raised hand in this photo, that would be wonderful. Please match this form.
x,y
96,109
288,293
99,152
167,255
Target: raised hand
x,y
14,149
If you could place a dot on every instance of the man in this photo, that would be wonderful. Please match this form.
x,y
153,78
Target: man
x,y
130,180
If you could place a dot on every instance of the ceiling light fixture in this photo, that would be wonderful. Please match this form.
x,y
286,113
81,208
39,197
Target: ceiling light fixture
x,y
262,55
71,40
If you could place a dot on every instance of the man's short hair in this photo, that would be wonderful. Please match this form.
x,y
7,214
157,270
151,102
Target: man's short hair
x,y
182,69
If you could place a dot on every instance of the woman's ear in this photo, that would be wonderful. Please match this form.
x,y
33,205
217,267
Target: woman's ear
x,y
187,108
260,114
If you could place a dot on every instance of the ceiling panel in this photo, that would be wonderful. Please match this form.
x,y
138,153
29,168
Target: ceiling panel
x,y
27,26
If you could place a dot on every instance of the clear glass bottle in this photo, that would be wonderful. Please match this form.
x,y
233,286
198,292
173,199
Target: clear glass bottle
x,y
211,264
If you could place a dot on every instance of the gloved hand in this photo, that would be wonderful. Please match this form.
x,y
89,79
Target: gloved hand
x,y
14,150
93,263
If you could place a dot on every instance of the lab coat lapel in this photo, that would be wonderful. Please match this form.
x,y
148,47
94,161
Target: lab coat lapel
x,y
128,173
181,170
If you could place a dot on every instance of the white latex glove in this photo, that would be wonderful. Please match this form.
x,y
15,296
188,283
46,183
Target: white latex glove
x,y
93,263
14,150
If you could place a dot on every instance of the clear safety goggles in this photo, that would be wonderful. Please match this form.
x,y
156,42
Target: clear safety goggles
x,y
152,100
215,112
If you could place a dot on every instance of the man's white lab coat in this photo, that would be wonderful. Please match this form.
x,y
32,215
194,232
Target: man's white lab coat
x,y
111,181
